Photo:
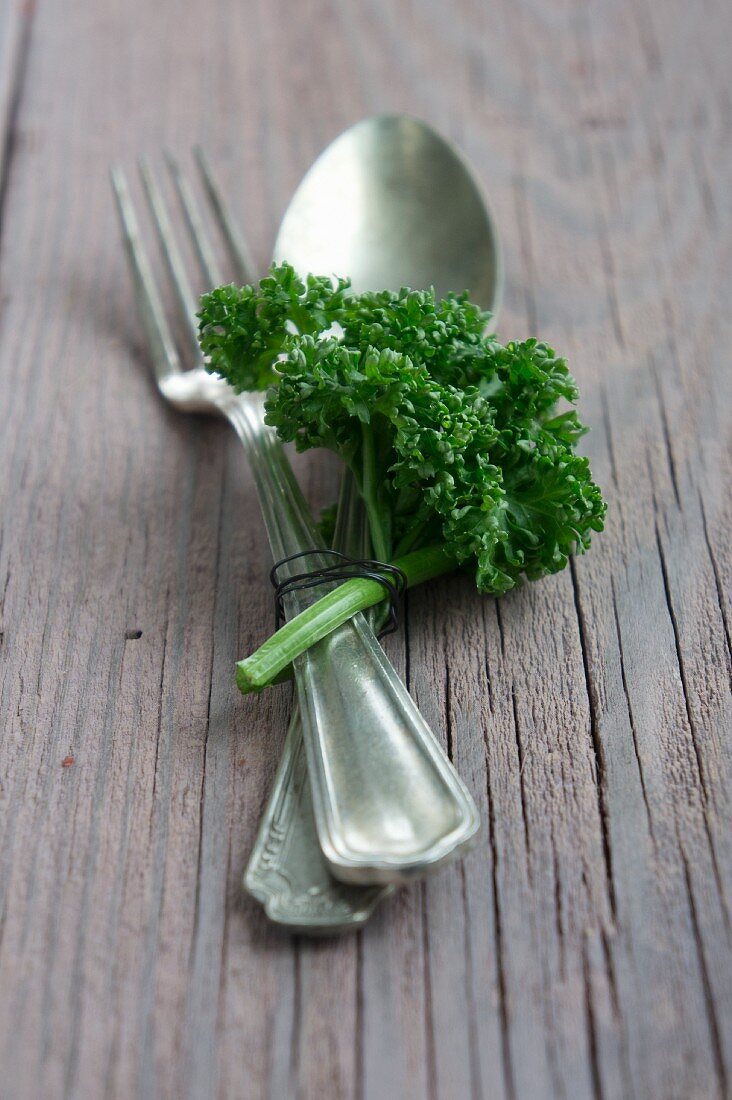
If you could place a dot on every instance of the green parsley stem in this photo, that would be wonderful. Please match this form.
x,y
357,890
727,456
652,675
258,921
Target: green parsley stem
x,y
329,612
369,490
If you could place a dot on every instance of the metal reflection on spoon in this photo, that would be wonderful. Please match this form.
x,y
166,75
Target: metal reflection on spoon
x,y
390,203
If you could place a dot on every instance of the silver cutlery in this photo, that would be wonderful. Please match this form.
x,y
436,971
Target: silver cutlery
x,y
386,800
391,203
287,871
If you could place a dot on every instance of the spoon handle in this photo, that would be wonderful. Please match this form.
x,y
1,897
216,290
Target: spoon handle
x,y
387,802
287,871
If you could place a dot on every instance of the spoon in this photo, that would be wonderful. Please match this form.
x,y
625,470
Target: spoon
x,y
389,203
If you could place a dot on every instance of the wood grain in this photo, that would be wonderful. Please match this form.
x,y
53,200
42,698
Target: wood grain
x,y
584,949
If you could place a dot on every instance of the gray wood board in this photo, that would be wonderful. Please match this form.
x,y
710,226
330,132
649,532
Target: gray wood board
x,y
584,948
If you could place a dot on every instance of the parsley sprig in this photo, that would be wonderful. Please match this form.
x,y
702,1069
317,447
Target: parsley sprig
x,y
463,449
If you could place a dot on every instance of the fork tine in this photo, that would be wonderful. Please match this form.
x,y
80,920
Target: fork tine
x,y
162,346
171,253
236,243
194,221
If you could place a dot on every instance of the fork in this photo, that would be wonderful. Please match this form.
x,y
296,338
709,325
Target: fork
x,y
287,871
387,803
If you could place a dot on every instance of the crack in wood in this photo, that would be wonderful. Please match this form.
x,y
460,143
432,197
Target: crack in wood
x,y
503,1009
476,1087
629,707
704,790
522,788
448,716
665,429
158,729
360,1074
682,670
713,1022
557,893
592,1039
296,1037
429,1024
719,587
596,744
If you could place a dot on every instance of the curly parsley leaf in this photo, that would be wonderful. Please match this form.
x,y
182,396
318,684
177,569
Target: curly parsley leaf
x,y
243,330
454,439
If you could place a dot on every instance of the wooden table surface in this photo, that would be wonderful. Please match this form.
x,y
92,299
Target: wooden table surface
x,y
583,949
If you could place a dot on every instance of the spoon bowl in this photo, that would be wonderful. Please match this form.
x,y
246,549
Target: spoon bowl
x,y
391,204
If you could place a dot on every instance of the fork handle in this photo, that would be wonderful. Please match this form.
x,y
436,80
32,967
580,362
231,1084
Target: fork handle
x,y
388,804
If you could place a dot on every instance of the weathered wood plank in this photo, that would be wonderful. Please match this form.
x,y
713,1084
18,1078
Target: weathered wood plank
x,y
583,948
